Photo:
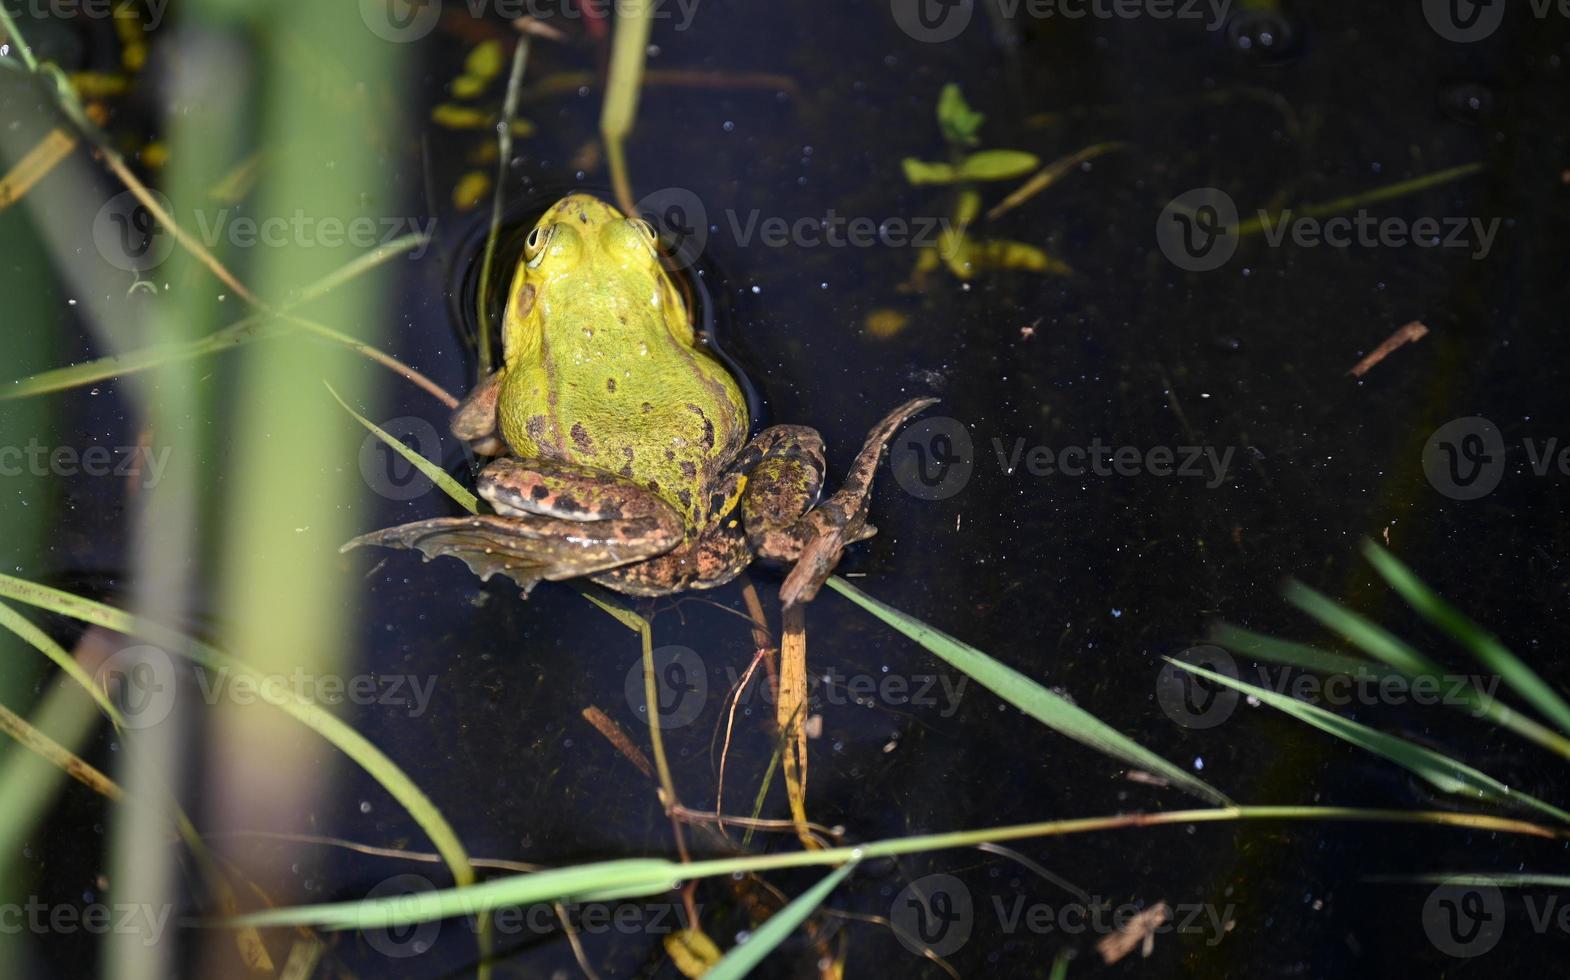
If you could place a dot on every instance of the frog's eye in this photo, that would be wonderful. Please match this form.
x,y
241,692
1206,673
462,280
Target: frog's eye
x,y
534,245
559,244
632,237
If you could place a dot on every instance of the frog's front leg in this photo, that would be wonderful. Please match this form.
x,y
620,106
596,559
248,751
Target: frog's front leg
x,y
474,420
553,521
780,527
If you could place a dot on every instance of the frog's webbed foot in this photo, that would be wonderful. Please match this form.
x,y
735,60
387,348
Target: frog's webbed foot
x,y
474,420
816,541
554,521
525,549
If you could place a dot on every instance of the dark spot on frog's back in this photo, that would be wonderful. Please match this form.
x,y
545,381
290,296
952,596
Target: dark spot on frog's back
x,y
647,408
685,496
540,491
580,438
610,385
536,428
689,470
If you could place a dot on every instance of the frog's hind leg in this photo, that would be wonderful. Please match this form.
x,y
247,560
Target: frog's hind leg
x,y
816,540
784,472
554,521
704,562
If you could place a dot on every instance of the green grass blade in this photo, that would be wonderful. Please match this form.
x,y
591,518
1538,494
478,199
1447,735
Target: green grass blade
x,y
329,726
1060,967
629,877
119,365
741,960
1514,879
1444,773
436,474
647,876
1361,632
1052,710
1483,645
1299,655
258,326
40,641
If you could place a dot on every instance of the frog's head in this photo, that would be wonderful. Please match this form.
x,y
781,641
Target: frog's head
x,y
585,261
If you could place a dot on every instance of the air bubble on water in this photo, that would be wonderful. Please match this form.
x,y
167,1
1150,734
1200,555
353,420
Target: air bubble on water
x,y
365,806
654,50
729,127
1199,762
756,290
823,285
1117,614
742,937
583,91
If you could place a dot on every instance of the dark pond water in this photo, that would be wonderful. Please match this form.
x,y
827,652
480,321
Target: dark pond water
x,y
1083,582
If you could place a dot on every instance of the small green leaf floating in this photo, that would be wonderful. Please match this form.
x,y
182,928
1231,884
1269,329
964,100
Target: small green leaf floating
x,y
960,123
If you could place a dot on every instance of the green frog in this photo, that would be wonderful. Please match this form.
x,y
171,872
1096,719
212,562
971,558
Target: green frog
x,y
622,443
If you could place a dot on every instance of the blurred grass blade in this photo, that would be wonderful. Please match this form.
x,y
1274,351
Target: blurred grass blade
x,y
1052,710
1483,645
258,326
40,641
435,473
329,726
1446,774
1509,879
1361,632
741,960
121,365
1383,645
1299,655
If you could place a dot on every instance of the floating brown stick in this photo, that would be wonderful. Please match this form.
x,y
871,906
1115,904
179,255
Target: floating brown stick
x,y
1411,332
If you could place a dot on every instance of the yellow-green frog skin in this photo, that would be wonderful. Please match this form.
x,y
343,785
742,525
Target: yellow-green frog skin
x,y
623,442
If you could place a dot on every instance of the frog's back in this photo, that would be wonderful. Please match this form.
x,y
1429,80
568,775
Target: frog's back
x,y
669,420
